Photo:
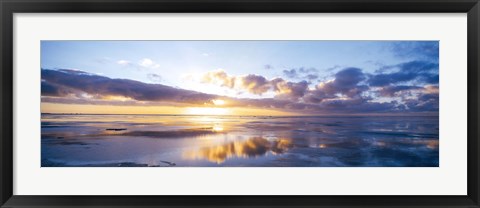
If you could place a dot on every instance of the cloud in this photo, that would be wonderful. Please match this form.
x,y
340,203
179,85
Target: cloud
x,y
347,92
348,78
70,86
219,77
420,71
256,84
144,63
49,89
252,83
148,63
414,98
423,102
123,62
61,82
345,85
419,50
311,77
268,66
292,73
362,105
392,91
289,90
156,78
301,73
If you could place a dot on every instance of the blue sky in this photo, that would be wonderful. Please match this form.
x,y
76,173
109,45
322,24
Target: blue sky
x,y
176,58
210,66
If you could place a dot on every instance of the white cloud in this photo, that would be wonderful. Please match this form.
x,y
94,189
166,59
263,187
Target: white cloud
x,y
123,62
146,62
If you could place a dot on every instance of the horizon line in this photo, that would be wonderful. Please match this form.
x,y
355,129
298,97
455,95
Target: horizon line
x,y
164,114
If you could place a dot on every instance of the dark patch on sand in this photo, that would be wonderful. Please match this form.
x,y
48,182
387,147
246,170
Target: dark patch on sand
x,y
48,163
116,129
172,134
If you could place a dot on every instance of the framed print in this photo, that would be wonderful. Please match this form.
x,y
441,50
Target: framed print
x,y
239,104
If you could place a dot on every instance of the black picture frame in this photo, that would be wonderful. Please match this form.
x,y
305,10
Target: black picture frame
x,y
10,7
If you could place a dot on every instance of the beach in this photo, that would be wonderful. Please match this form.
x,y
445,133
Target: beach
x,y
82,140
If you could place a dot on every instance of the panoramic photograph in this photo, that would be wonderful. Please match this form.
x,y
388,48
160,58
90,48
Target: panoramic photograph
x,y
289,103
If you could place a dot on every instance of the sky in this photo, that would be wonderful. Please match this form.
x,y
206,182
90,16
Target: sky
x,y
240,77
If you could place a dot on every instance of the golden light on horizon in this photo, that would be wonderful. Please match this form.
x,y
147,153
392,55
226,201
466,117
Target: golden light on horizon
x,y
180,110
217,128
118,98
218,102
206,111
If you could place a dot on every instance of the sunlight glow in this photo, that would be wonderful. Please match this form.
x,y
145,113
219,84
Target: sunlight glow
x,y
140,109
217,128
218,102
207,111
117,98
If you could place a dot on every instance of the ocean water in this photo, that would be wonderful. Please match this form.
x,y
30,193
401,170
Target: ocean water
x,y
238,141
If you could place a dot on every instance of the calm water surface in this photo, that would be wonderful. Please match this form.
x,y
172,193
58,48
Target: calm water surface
x,y
247,141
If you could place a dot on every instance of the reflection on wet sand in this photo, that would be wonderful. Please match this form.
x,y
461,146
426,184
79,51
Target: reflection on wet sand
x,y
253,147
431,144
233,141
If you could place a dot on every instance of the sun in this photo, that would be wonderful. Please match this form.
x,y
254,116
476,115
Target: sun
x,y
218,102
206,111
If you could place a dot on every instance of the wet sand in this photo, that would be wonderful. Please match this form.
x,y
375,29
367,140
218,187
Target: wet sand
x,y
238,141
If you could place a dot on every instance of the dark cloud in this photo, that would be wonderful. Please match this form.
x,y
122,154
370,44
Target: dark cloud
x,y
67,81
95,101
420,71
424,102
358,105
424,50
60,86
289,90
292,73
305,70
391,91
268,66
255,84
348,78
317,95
301,73
156,78
346,93
311,76
346,84
414,98
54,90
